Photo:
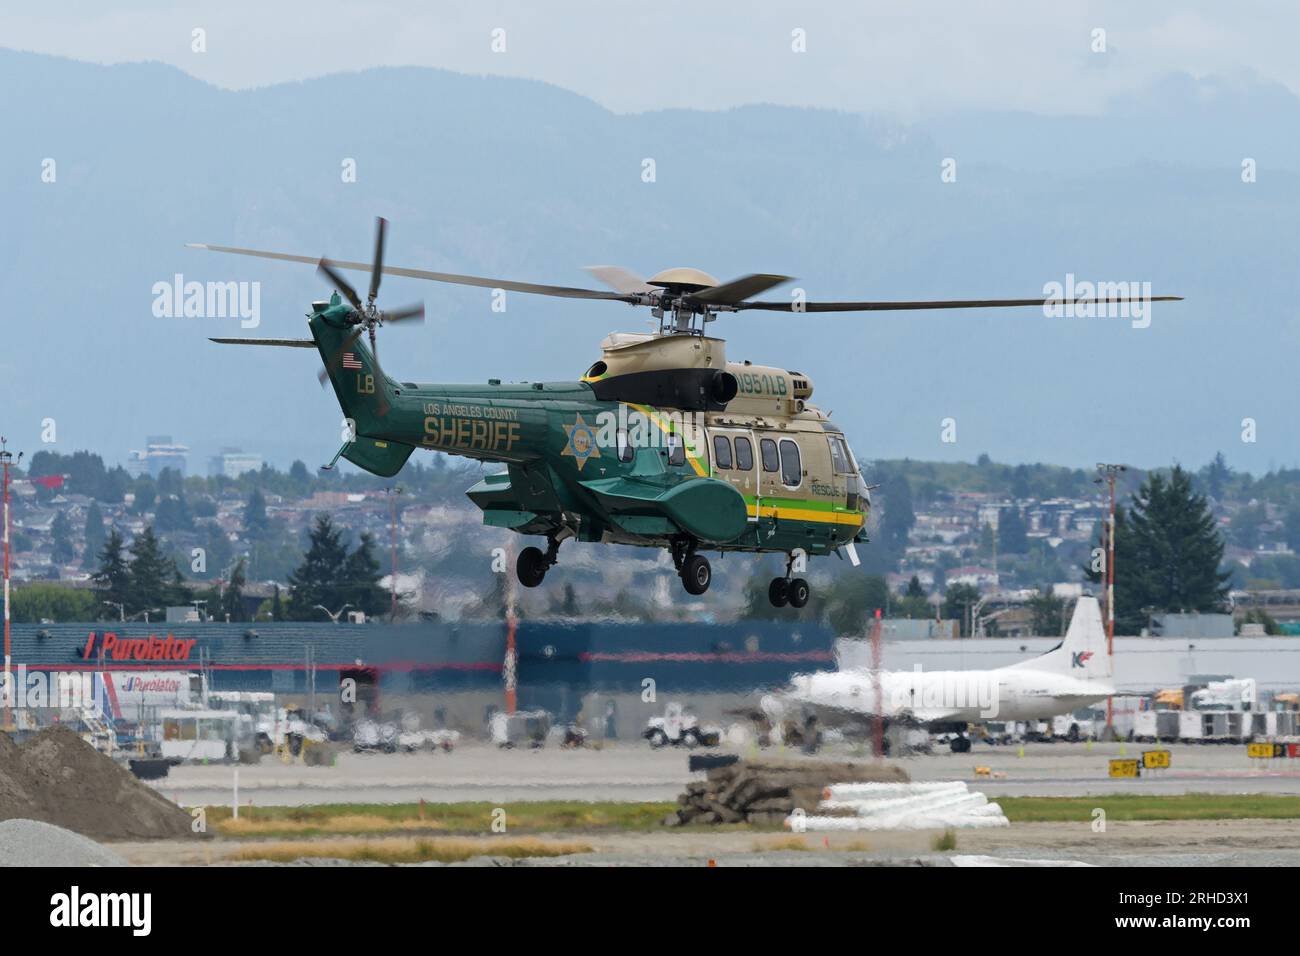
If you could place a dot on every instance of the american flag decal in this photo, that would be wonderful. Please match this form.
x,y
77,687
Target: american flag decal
x,y
350,360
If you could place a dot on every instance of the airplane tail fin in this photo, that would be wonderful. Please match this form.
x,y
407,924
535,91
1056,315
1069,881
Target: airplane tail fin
x,y
1082,654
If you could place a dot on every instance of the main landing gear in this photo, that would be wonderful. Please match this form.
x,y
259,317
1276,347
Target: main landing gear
x,y
787,590
533,563
694,569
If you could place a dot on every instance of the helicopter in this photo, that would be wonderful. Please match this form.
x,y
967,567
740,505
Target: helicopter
x,y
662,442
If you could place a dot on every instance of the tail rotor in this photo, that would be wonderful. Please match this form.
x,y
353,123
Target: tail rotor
x,y
367,318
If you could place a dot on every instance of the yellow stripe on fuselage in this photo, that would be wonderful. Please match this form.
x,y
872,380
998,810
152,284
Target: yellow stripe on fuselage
x,y
806,514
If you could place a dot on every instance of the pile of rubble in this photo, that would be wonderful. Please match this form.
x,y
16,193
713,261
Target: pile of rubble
x,y
766,792
56,777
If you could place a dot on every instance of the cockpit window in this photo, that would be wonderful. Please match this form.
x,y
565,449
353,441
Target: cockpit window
x,y
791,468
841,457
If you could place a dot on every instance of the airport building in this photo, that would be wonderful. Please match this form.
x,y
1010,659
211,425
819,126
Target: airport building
x,y
453,675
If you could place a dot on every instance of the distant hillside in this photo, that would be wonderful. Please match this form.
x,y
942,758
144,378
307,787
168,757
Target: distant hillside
x,y
517,178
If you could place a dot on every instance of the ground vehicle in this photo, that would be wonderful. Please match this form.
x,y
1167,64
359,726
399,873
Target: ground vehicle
x,y
523,726
1080,725
199,734
411,738
679,726
369,734
261,722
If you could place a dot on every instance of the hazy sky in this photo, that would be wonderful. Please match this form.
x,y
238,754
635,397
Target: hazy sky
x,y
860,55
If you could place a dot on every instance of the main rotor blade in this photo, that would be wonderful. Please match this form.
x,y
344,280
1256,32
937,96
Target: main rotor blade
x,y
377,267
938,304
285,343
326,268
737,290
403,314
509,285
336,359
621,280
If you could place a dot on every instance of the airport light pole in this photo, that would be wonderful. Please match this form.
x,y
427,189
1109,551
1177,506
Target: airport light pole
x,y
6,459
393,492
879,722
1108,473
509,666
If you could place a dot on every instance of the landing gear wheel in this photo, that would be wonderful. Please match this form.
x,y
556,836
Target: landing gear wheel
x,y
798,592
530,567
959,745
778,592
696,574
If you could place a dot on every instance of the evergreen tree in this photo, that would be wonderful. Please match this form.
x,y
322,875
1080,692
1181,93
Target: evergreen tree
x,y
899,517
1168,552
1216,476
156,582
361,573
61,550
256,522
112,579
219,550
1047,613
320,579
852,601
957,604
1292,522
1012,530
95,535
146,493
232,600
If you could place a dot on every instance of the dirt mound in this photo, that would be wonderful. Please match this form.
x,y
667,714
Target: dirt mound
x,y
56,777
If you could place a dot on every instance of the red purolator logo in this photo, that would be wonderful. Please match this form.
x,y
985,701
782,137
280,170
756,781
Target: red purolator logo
x,y
151,648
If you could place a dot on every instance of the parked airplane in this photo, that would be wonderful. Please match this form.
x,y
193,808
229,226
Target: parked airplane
x,y
1074,674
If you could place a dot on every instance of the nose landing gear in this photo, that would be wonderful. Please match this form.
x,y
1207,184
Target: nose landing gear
x,y
532,564
787,590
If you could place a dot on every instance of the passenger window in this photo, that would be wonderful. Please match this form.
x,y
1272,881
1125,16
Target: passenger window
x,y
744,454
768,449
721,451
676,450
625,450
791,469
839,457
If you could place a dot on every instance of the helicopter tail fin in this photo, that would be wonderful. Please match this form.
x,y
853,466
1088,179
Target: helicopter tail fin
x,y
362,389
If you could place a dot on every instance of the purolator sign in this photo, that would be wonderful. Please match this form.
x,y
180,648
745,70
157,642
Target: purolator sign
x,y
151,648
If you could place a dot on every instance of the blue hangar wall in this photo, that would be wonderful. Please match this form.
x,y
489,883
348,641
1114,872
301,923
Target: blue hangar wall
x,y
556,661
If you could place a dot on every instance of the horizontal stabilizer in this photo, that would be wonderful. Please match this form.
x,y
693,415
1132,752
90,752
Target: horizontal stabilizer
x,y
382,458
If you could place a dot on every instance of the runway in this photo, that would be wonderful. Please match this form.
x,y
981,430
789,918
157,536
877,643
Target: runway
x,y
631,771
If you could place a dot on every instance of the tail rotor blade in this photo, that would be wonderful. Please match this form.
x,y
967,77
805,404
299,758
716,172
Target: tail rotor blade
x,y
326,268
377,269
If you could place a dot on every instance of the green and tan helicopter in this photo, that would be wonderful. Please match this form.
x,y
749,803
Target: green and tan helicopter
x,y
663,443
